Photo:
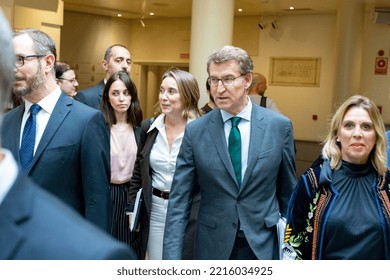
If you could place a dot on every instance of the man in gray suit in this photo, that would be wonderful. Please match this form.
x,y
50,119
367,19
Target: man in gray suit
x,y
116,58
241,202
68,153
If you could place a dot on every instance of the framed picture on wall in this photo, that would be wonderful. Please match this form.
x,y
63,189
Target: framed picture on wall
x,y
295,71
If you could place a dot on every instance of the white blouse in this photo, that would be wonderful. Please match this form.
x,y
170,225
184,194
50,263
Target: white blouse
x,y
163,161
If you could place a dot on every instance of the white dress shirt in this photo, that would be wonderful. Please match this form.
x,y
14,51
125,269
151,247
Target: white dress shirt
x,y
270,103
47,105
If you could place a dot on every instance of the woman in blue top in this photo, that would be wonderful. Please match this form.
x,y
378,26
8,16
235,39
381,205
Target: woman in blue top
x,y
340,208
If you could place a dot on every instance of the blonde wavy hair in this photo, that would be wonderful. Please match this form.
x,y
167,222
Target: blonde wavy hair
x,y
332,149
189,92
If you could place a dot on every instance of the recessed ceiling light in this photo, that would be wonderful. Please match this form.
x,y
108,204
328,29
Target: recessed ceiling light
x,y
240,10
151,14
119,15
292,9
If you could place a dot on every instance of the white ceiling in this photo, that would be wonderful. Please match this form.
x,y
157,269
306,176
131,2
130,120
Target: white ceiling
x,y
135,9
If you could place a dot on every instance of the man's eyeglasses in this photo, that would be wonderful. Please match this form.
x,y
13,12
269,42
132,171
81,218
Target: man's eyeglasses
x,y
73,81
226,81
19,61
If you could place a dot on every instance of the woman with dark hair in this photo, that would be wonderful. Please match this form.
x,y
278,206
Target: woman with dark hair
x,y
122,112
340,207
156,159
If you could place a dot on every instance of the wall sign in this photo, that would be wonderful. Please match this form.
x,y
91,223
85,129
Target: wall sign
x,y
381,63
295,71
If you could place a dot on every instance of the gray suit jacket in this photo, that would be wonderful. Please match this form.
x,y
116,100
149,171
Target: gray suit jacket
x,y
72,160
225,207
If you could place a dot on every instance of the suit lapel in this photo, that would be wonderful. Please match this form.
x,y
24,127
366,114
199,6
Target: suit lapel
x,y
101,89
137,131
147,179
217,132
255,142
61,110
10,237
14,124
18,200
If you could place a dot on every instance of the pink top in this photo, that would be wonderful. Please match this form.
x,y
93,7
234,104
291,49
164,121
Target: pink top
x,y
123,152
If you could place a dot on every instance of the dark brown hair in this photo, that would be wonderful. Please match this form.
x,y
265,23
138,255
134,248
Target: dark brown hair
x,y
61,68
134,113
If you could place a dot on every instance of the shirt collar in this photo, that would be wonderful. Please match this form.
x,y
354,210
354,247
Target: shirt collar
x,y
159,123
244,114
47,103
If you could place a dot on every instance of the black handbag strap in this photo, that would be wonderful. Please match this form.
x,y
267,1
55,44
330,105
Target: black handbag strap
x,y
263,102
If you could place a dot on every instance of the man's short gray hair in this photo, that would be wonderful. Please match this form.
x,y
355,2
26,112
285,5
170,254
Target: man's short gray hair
x,y
228,53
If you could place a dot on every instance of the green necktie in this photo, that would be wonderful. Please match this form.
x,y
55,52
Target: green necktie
x,y
235,147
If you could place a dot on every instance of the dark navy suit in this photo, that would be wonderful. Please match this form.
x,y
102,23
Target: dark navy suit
x,y
72,160
36,225
91,96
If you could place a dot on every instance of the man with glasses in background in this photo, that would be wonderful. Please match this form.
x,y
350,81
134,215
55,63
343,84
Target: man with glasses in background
x,y
66,78
243,165
116,58
60,143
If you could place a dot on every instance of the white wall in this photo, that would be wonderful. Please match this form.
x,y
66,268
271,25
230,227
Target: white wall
x,y
45,15
85,37
301,36
377,87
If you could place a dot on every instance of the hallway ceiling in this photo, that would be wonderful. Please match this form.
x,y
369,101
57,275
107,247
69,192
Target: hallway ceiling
x,y
138,9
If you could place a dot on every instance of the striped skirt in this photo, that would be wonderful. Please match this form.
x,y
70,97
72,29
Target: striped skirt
x,y
120,221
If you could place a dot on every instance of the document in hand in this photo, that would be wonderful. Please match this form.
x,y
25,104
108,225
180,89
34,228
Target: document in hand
x,y
136,212
280,229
